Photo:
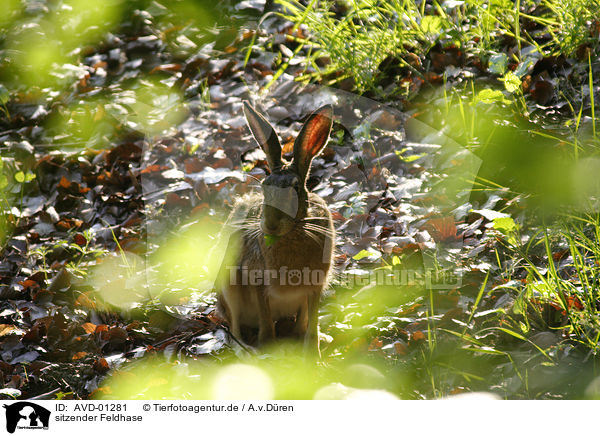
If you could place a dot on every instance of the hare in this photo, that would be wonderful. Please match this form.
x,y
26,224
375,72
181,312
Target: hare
x,y
278,260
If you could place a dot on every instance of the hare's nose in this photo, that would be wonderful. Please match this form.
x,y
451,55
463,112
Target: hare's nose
x,y
270,227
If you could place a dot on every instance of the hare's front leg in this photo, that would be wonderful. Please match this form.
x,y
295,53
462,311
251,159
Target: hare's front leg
x,y
311,338
301,320
233,302
266,327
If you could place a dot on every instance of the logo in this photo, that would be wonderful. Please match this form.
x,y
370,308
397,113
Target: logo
x,y
26,415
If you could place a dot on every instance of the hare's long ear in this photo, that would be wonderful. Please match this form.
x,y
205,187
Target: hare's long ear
x,y
312,138
265,135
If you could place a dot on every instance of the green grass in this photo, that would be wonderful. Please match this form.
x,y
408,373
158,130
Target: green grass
x,y
6,221
356,36
574,288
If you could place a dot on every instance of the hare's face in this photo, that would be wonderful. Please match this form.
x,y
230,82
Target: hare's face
x,y
284,202
285,195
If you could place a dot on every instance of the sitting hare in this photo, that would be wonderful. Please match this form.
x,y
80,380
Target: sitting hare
x,y
278,260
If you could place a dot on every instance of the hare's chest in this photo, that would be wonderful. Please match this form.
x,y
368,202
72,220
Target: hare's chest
x,y
280,305
297,253
295,274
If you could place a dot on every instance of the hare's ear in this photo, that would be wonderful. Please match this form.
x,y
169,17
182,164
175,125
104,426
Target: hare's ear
x,y
265,135
312,138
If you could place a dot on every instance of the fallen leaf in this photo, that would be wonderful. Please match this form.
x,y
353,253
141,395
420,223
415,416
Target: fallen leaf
x,y
101,366
7,329
418,336
375,344
79,355
88,327
400,348
64,183
80,240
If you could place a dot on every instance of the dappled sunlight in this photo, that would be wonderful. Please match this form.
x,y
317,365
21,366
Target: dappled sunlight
x,y
199,13
146,106
242,382
37,57
84,124
43,47
6,219
191,256
512,152
586,184
12,9
281,373
119,280
155,107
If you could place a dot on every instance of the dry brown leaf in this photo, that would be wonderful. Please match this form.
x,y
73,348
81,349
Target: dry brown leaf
x,y
418,336
400,348
7,329
88,327
64,183
375,344
79,355
101,366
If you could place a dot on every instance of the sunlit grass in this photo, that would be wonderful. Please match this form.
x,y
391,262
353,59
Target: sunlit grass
x,y
6,218
357,36
574,288
552,167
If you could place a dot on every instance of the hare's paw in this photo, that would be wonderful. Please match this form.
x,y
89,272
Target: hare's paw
x,y
311,347
300,329
266,335
301,324
241,348
244,350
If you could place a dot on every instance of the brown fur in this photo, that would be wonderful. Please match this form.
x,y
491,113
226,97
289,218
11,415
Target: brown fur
x,y
305,244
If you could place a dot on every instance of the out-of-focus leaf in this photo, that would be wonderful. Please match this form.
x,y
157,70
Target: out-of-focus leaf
x,y
489,96
11,392
431,24
498,63
511,82
505,225
4,95
367,253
